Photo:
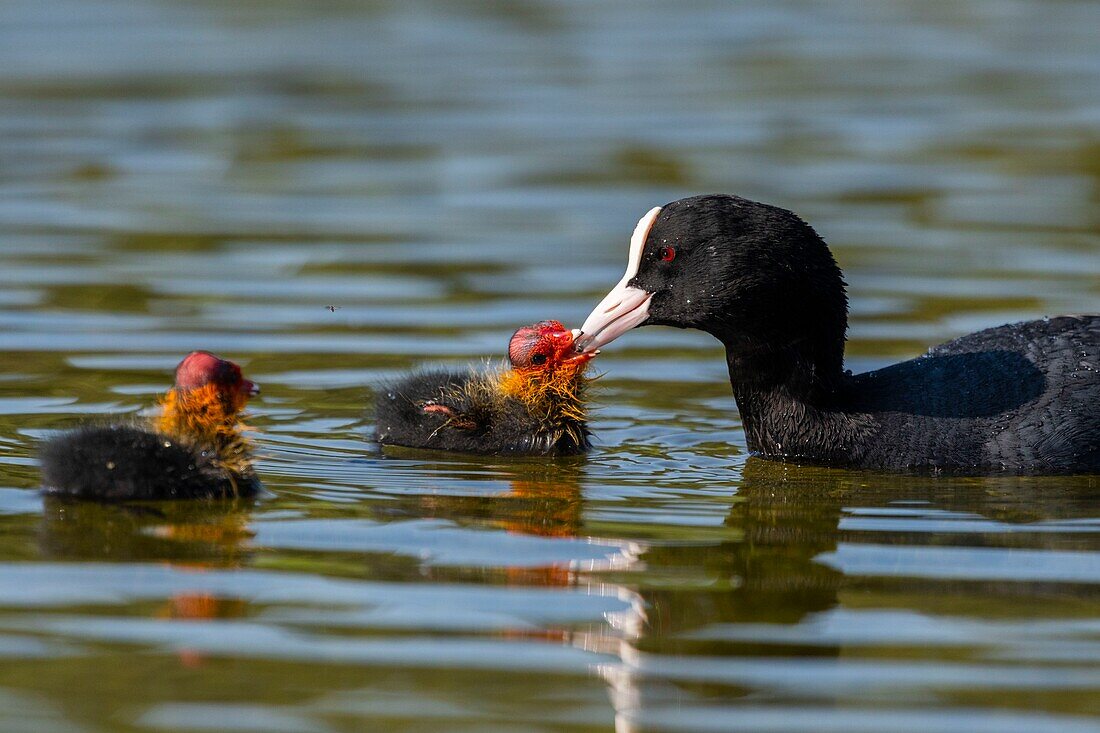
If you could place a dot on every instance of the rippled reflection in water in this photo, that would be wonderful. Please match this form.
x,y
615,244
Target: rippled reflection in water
x,y
176,175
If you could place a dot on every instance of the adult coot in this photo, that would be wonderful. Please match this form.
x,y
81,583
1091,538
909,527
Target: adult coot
x,y
1021,398
194,448
536,407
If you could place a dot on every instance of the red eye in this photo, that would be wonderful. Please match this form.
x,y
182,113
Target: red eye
x,y
668,254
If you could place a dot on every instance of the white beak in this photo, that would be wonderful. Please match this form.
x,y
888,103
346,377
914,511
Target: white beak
x,y
621,310
624,307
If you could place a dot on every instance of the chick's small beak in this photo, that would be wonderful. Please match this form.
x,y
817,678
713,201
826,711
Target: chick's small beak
x,y
569,352
250,388
580,357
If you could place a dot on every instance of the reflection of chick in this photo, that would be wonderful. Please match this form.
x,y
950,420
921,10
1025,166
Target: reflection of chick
x,y
194,449
535,408
186,534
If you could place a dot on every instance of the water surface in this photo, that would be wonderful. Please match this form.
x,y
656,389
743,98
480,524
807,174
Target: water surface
x,y
180,175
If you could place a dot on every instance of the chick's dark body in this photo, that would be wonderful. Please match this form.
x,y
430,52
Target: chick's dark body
x,y
467,413
117,462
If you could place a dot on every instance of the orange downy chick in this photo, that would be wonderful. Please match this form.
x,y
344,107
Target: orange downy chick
x,y
195,449
534,406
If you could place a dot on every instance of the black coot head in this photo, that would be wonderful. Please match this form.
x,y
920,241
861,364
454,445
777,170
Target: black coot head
x,y
755,276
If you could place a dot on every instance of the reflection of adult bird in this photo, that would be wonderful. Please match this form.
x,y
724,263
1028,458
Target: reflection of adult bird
x,y
1021,398
781,521
766,572
762,601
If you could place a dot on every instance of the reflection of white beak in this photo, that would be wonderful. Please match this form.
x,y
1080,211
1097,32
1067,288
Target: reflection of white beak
x,y
621,310
624,307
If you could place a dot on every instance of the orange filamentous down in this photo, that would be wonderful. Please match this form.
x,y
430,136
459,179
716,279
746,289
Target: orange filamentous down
x,y
208,416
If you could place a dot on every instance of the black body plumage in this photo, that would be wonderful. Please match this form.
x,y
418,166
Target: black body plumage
x,y
474,418
1020,398
129,462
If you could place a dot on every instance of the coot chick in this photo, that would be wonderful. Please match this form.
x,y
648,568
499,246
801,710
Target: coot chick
x,y
1020,398
536,407
194,449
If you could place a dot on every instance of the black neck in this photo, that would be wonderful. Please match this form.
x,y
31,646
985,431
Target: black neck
x,y
791,405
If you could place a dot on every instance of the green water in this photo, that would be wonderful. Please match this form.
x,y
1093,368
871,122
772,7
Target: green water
x,y
180,175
